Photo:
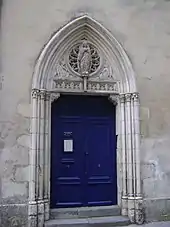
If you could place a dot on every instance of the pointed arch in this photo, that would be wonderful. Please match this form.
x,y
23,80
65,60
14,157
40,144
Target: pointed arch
x,y
127,111
97,33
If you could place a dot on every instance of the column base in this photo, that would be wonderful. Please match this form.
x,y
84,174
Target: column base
x,y
32,221
124,209
32,214
139,210
46,210
135,210
131,209
40,213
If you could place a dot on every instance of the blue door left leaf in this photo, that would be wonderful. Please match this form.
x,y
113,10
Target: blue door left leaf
x,y
65,177
83,159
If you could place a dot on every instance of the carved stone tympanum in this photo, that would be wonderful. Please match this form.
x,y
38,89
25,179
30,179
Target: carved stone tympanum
x,y
83,67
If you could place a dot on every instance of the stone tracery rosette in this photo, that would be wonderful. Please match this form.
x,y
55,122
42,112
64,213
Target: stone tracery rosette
x,y
73,58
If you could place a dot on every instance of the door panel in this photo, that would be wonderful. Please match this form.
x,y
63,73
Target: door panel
x,y
100,162
87,175
66,178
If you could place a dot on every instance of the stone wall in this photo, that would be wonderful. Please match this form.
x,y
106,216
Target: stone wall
x,y
142,27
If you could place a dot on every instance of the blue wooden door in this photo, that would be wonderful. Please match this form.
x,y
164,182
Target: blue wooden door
x,y
85,175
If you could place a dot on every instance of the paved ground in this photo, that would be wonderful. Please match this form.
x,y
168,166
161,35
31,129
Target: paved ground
x,y
153,224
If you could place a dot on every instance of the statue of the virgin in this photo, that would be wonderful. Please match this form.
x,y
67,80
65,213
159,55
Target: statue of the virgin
x,y
84,59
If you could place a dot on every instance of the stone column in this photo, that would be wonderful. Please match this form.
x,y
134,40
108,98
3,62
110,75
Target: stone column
x,y
129,150
139,213
51,98
40,160
133,152
38,146
124,155
32,206
46,158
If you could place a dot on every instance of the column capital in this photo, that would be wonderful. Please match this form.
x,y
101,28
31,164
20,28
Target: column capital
x,y
122,98
135,96
35,93
42,94
128,97
47,96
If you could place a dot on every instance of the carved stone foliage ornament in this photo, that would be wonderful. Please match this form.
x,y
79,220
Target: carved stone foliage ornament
x,y
84,58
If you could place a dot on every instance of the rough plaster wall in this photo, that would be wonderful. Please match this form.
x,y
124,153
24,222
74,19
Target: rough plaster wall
x,y
142,27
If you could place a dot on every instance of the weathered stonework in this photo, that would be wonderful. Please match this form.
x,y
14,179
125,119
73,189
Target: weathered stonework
x,y
14,215
142,29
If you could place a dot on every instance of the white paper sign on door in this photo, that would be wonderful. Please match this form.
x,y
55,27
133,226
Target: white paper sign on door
x,y
68,145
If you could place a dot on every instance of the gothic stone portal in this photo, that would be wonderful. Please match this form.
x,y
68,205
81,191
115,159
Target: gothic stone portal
x,y
84,58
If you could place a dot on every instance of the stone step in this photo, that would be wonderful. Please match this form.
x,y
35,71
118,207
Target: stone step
x,y
89,222
85,212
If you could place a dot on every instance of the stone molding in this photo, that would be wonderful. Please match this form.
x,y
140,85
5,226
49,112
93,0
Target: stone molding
x,y
45,90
